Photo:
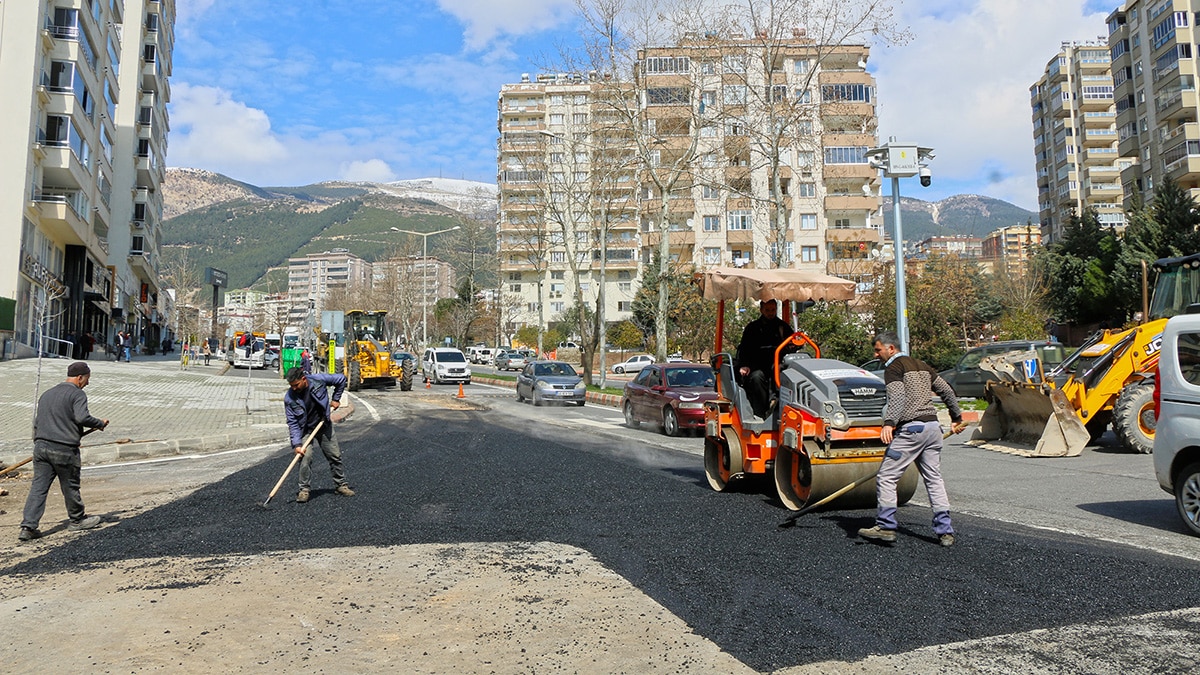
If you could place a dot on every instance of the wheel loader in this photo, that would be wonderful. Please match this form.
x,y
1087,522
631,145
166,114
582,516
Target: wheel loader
x,y
824,432
1109,380
366,360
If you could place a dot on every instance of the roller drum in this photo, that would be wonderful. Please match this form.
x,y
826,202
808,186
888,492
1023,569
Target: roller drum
x,y
801,481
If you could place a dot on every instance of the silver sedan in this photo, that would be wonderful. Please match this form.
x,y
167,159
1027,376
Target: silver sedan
x,y
550,381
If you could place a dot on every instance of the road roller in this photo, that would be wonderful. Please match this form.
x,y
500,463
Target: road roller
x,y
823,432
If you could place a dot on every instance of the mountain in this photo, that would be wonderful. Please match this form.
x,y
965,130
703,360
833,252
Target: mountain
x,y
248,230
971,215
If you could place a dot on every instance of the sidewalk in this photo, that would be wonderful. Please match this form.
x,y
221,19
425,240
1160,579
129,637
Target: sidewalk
x,y
153,408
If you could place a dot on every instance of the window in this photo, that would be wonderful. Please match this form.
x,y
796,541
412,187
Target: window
x,y
708,99
514,288
709,192
843,223
804,96
556,275
665,64
777,93
708,160
740,219
712,223
556,118
846,155
580,99
802,66
579,118
808,254
788,252
735,127
735,94
734,63
851,93
667,96
808,221
804,158
806,190
625,306
712,256
514,276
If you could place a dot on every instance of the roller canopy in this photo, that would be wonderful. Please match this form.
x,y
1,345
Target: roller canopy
x,y
732,283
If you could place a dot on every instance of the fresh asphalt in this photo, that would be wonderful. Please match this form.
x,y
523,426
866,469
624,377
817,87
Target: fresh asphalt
x,y
771,597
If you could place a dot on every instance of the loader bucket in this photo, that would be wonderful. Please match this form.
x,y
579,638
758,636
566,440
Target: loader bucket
x,y
1031,415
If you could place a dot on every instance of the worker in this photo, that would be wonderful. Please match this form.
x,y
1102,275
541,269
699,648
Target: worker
x,y
62,414
305,406
912,434
756,355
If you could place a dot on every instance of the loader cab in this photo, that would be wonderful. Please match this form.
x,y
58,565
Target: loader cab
x,y
1177,286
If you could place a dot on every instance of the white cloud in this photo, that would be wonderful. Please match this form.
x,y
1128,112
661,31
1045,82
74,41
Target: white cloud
x,y
375,170
211,128
962,86
485,20
444,74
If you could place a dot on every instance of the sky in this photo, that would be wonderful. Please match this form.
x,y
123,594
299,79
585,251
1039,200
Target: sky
x,y
292,92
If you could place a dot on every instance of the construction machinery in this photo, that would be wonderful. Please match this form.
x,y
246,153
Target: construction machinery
x,y
366,359
1109,380
825,431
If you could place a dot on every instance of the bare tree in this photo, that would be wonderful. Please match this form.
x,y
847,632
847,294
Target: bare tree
x,y
46,308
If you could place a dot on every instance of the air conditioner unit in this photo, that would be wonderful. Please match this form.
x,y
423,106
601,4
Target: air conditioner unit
x,y
139,224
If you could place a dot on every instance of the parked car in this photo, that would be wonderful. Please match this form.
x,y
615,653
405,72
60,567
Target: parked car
x,y
546,381
1177,407
445,364
874,367
401,356
511,360
968,379
633,364
671,395
483,355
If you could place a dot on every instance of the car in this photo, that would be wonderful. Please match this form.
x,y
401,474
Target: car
x,y
512,360
401,357
545,381
483,355
968,379
633,364
874,367
670,395
1177,408
445,364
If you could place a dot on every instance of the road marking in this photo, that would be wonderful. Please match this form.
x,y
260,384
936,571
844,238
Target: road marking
x,y
603,423
177,458
370,408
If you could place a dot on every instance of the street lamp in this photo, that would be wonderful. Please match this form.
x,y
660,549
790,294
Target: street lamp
x,y
425,276
900,160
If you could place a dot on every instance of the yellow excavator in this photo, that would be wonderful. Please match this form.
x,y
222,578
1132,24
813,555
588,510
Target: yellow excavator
x,y
366,359
1109,380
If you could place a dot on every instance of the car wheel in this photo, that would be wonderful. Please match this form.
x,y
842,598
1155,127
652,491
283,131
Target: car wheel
x,y
581,403
670,423
1187,497
630,420
520,396
537,398
618,370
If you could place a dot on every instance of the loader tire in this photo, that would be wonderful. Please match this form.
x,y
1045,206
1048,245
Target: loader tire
x,y
1133,418
355,376
406,379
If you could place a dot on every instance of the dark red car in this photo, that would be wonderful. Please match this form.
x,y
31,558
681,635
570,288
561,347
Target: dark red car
x,y
670,395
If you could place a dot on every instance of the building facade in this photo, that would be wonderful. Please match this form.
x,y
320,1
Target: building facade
x,y
960,245
734,158
1010,249
1153,47
1078,158
313,277
74,74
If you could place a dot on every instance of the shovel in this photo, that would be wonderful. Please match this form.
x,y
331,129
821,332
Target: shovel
x,y
298,455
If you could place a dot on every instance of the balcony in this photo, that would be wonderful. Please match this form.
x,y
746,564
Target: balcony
x,y
1172,103
1177,169
1189,130
851,203
678,238
847,171
63,214
142,264
1099,138
864,234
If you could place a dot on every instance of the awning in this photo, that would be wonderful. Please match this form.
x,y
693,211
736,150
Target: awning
x,y
733,283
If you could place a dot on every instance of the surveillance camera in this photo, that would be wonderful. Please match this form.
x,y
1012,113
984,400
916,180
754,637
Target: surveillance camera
x,y
926,176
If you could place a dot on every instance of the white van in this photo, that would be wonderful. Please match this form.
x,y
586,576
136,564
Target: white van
x,y
483,355
1177,407
445,364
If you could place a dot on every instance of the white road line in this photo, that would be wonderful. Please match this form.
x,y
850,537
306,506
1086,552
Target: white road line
x,y
370,408
176,458
605,423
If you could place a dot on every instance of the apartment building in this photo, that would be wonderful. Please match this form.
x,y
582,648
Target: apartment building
x,y
1153,47
960,245
735,162
1075,137
1011,248
74,73
425,279
313,277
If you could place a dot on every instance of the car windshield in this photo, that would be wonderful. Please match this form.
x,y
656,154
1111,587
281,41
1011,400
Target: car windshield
x,y
553,369
451,357
690,377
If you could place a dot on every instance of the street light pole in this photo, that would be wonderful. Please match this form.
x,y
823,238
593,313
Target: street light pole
x,y
425,276
900,160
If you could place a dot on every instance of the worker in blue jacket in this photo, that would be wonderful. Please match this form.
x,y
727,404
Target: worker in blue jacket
x,y
306,404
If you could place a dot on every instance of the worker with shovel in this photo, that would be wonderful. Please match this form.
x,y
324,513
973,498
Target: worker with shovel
x,y
62,414
306,406
912,434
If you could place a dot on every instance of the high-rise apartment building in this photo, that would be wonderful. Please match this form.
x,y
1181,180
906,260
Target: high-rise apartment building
x,y
1075,138
313,277
1010,249
1153,47
737,158
75,74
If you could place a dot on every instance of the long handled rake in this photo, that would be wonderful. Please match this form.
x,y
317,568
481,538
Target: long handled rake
x,y
303,449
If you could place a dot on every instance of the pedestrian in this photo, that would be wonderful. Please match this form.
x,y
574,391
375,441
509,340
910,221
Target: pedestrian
x,y
912,434
207,352
306,361
756,355
62,414
127,346
306,404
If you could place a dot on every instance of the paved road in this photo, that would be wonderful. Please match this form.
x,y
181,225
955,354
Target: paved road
x,y
437,472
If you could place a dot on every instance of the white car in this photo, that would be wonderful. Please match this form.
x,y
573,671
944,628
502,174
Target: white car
x,y
633,364
1177,403
445,364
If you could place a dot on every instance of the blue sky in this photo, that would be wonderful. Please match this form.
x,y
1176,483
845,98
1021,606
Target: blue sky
x,y
288,93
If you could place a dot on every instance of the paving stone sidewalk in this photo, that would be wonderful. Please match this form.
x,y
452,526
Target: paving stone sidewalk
x,y
154,408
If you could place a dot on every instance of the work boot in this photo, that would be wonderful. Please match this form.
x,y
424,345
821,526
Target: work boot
x,y
302,496
29,534
86,523
947,540
345,491
877,533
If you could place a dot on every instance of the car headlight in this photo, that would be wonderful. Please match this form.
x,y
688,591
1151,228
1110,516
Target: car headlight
x,y
691,406
840,420
542,384
580,385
